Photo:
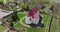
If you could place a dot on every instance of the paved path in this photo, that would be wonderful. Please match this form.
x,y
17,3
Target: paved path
x,y
21,22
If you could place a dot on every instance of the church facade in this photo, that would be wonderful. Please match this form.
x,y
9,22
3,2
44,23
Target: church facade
x,y
32,16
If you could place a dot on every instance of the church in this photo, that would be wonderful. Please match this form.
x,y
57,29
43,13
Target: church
x,y
32,16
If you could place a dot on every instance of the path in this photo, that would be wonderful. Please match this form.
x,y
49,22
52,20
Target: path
x,y
47,26
24,23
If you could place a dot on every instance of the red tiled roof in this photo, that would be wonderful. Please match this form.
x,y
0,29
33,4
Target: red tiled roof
x,y
36,16
28,14
32,11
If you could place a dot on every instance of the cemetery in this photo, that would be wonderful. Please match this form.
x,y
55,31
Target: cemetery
x,y
29,15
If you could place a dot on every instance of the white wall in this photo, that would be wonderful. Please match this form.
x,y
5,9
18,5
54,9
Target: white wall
x,y
34,21
28,20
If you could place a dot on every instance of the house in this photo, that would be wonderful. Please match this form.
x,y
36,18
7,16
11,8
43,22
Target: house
x,y
32,16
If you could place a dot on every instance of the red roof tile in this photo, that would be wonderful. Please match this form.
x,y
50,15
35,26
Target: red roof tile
x,y
32,11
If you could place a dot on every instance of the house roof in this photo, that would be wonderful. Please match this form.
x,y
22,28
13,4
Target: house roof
x,y
27,14
35,16
3,14
32,11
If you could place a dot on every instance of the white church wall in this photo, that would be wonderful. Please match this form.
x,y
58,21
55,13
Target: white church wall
x,y
35,21
28,20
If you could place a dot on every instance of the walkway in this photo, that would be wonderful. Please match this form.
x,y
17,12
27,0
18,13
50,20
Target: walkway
x,y
24,23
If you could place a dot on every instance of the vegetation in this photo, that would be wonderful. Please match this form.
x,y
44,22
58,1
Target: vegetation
x,y
14,15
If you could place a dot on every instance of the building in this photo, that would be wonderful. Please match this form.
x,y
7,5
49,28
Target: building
x,y
32,16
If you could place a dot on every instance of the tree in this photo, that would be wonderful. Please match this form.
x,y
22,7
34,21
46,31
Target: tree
x,y
14,9
25,8
14,15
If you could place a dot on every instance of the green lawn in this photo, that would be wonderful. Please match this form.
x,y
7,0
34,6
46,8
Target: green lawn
x,y
1,0
3,27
